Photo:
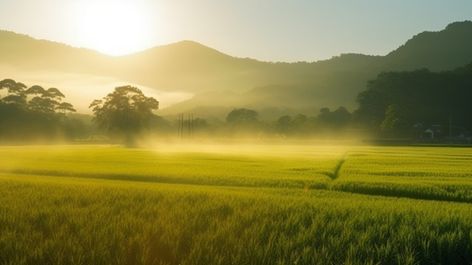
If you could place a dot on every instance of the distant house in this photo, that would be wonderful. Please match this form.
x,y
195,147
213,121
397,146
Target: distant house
x,y
428,134
435,132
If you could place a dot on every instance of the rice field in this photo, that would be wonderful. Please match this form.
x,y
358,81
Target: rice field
x,y
227,204
436,173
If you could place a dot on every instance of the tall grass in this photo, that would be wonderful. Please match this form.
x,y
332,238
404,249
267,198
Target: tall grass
x,y
235,205
282,167
72,221
438,173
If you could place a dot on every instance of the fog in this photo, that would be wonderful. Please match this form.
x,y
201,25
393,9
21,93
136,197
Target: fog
x,y
82,89
237,126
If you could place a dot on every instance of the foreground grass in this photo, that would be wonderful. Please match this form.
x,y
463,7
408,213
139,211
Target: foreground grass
x,y
46,220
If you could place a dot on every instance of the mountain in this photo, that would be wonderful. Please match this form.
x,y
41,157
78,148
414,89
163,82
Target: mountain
x,y
437,51
191,67
219,82
26,53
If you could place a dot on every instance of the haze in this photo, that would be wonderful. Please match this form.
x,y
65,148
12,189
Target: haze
x,y
73,85
215,132
301,30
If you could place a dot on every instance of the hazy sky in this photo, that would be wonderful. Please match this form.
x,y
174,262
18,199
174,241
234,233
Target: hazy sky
x,y
276,30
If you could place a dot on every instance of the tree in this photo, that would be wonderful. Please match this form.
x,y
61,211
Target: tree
x,y
43,101
12,86
7,83
124,112
341,117
43,105
33,112
338,118
242,116
65,107
53,93
15,92
36,90
284,124
395,119
15,99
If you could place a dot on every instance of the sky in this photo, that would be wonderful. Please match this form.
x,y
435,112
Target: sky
x,y
269,30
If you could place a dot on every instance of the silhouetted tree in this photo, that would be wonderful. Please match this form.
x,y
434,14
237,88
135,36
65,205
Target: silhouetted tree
x,y
12,86
284,125
36,91
43,105
15,92
65,107
53,93
242,116
31,113
124,112
339,118
15,99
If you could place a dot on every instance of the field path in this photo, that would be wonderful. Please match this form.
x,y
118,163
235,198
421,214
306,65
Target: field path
x,y
337,168
438,174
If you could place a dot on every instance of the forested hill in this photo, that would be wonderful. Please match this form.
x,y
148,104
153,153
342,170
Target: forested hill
x,y
437,51
220,80
405,102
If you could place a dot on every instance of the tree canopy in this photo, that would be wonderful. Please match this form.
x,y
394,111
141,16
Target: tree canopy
x,y
34,98
124,112
402,100
242,116
31,112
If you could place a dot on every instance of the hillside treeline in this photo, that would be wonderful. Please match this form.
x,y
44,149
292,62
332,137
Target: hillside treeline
x,y
419,102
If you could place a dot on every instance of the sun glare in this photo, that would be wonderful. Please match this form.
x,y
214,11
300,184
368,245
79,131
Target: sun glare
x,y
113,27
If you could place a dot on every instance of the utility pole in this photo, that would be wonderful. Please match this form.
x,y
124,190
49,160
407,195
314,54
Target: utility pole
x,y
181,125
450,127
191,124
186,125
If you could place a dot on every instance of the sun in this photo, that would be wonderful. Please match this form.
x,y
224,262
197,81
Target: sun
x,y
113,27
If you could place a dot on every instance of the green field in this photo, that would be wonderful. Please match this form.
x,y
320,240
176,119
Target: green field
x,y
235,204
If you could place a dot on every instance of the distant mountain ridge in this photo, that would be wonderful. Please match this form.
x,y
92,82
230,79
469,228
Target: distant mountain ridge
x,y
437,51
221,81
